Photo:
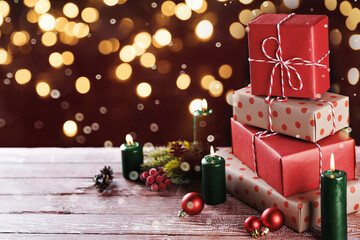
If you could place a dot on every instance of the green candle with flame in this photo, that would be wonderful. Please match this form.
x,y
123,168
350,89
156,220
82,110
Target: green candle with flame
x,y
203,112
132,158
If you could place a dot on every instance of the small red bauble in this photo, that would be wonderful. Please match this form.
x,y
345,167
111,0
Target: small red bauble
x,y
192,204
272,218
252,225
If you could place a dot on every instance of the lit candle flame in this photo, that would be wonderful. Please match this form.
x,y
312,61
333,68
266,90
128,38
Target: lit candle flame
x,y
204,104
212,152
129,139
332,162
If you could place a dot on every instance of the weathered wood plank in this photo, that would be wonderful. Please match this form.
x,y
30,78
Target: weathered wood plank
x,y
202,225
60,155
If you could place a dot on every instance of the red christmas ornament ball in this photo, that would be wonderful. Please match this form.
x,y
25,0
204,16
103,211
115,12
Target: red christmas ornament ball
x,y
272,218
192,203
252,223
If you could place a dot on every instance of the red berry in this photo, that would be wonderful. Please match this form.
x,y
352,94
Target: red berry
x,y
154,187
168,182
150,180
162,186
153,172
161,171
164,176
144,175
159,179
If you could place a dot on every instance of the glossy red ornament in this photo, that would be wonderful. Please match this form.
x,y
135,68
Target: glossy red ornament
x,y
252,225
192,204
272,218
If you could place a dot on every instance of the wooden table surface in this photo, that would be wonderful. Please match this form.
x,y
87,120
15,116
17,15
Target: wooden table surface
x,y
47,193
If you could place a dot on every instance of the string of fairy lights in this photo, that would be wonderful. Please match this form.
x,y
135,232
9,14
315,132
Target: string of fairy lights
x,y
70,24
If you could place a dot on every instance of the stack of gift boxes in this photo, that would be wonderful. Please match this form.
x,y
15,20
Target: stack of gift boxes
x,y
285,125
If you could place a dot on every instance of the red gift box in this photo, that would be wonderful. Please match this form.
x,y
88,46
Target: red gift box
x,y
290,165
302,36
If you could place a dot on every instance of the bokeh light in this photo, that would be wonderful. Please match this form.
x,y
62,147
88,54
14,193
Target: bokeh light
x,y
143,90
195,105
229,96
20,38
237,30
60,24
143,40
216,88
354,41
123,71
225,71
55,60
335,37
353,76
22,76
42,6
183,81
168,8
4,9
194,4
70,128
111,2
331,4
3,56
204,29
70,10
81,30
48,39
182,11
345,8
30,3
47,22
162,37
246,1
147,60
42,89
105,47
127,53
90,15
82,85
292,4
206,80
67,58
268,7
245,16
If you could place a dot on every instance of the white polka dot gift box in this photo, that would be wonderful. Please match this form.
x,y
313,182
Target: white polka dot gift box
x,y
290,165
306,119
290,52
301,211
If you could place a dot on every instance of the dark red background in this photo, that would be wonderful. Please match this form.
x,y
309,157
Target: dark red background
x,y
21,107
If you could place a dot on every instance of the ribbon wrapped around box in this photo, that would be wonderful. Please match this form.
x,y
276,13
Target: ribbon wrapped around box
x,y
288,55
301,211
307,119
290,165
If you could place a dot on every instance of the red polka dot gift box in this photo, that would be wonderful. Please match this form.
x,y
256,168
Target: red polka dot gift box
x,y
292,49
289,165
308,119
301,211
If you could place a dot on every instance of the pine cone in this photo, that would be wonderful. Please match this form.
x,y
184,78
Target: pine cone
x,y
103,179
177,148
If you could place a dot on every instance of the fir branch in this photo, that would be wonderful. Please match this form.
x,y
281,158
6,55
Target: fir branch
x,y
158,158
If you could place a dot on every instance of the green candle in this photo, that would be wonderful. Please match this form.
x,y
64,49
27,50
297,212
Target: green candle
x,y
333,204
203,112
132,158
213,179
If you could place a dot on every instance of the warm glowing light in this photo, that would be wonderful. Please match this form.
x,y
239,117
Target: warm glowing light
x,y
246,1
105,47
90,15
70,10
182,11
353,76
3,56
255,13
268,7
115,44
195,105
22,76
81,30
143,89
60,24
147,60
55,60
30,3
353,19
138,50
69,40
206,80
20,38
163,66
194,4
42,6
216,88
345,8
82,85
70,128
129,139
111,2
291,4
49,39
67,58
32,16
126,25
245,16
162,37
204,105
225,71
354,41
330,4
203,7
183,81
123,71
1,20
4,9
47,22
237,30
212,152
229,96
168,8
332,162
42,89
204,29
127,53
143,40
335,36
